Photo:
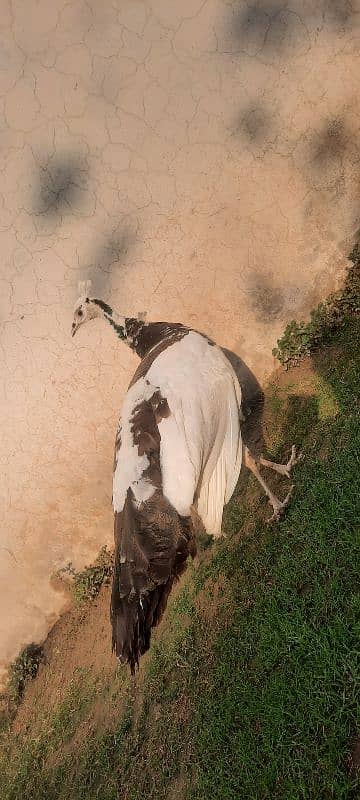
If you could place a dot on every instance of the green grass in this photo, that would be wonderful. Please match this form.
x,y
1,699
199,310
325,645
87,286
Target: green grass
x,y
86,584
303,338
22,670
251,690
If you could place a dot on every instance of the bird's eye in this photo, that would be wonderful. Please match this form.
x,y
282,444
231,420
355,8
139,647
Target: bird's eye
x,y
80,313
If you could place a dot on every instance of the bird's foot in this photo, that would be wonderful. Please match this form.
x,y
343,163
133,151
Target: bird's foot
x,y
294,459
283,469
279,507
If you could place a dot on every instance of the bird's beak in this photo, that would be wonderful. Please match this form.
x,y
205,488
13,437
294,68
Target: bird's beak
x,y
74,328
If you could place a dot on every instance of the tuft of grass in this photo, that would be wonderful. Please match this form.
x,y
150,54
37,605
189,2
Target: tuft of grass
x,y
22,670
300,339
88,582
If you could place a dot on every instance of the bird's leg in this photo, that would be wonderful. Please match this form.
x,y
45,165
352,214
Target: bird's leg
x,y
283,469
277,505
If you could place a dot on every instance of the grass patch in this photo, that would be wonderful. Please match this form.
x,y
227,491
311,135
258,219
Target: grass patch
x,y
251,690
300,339
86,584
22,670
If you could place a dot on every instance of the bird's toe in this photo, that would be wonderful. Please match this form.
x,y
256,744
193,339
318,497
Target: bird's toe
x,y
279,507
294,459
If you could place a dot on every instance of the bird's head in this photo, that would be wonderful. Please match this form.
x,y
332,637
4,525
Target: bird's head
x,y
83,311
87,308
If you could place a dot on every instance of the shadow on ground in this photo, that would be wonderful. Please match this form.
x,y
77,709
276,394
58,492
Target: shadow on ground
x,y
111,254
61,186
275,28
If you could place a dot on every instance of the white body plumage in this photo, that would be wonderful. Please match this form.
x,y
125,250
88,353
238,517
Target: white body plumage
x,y
201,447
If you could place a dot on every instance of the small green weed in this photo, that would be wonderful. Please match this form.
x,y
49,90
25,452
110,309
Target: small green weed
x,y
87,584
300,339
23,669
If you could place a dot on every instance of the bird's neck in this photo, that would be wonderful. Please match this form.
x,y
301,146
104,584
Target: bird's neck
x,y
125,327
118,324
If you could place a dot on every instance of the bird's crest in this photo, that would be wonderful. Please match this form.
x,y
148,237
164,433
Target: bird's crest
x,y
84,288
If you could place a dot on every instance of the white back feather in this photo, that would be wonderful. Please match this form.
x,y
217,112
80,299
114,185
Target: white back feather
x,y
201,446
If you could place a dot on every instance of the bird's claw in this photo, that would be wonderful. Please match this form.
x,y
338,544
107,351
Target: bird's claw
x,y
294,459
279,508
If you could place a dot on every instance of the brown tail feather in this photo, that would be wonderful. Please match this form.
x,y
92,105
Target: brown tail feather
x,y
151,549
132,622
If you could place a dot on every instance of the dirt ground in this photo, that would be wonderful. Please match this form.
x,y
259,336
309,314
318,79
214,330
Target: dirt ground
x,y
197,160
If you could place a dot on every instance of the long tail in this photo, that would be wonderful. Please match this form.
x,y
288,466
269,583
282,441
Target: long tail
x,y
151,550
132,621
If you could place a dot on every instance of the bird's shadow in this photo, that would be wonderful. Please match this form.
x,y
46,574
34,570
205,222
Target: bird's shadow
x,y
252,403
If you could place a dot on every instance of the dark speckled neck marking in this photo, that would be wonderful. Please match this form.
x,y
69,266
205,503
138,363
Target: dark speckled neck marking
x,y
103,306
119,329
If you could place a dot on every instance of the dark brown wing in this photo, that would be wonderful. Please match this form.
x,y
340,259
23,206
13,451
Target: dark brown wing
x,y
152,544
144,336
